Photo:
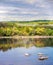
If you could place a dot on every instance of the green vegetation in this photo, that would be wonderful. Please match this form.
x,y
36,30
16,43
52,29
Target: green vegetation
x,y
44,27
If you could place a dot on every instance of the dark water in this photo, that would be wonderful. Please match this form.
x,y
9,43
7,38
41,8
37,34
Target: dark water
x,y
12,51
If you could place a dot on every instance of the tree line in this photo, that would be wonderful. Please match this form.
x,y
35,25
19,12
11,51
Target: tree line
x,y
11,29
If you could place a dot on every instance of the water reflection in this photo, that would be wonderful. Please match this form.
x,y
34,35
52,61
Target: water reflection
x,y
6,44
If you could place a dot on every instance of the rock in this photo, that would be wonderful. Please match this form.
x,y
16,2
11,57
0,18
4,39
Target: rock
x,y
43,58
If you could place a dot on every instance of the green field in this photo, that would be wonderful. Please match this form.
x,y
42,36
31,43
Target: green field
x,y
27,28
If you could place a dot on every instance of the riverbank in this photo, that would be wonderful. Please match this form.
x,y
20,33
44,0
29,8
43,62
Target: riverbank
x,y
15,37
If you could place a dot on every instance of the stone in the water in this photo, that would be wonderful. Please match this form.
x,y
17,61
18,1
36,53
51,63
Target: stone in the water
x,y
43,58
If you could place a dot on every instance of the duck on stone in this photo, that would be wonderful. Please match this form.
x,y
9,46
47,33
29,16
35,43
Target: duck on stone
x,y
43,58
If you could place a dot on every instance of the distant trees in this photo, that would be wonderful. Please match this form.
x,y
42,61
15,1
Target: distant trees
x,y
11,29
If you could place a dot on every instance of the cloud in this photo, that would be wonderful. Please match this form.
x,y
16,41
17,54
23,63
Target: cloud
x,y
30,1
17,10
25,9
23,18
27,1
1,11
28,12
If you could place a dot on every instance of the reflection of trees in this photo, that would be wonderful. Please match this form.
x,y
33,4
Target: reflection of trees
x,y
47,42
6,44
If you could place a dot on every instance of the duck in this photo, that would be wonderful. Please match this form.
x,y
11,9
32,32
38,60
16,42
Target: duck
x,y
27,54
40,54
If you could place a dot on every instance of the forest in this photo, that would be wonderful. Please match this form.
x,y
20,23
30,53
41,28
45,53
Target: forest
x,y
26,28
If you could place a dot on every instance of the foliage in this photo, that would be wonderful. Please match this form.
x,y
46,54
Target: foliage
x,y
15,28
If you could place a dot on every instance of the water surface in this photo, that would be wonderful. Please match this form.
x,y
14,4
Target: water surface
x,y
12,51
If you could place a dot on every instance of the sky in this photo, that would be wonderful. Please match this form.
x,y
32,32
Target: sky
x,y
26,10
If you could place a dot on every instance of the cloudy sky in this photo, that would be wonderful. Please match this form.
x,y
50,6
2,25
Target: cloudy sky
x,y
19,10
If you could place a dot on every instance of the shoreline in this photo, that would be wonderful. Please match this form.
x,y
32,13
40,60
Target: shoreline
x,y
16,37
